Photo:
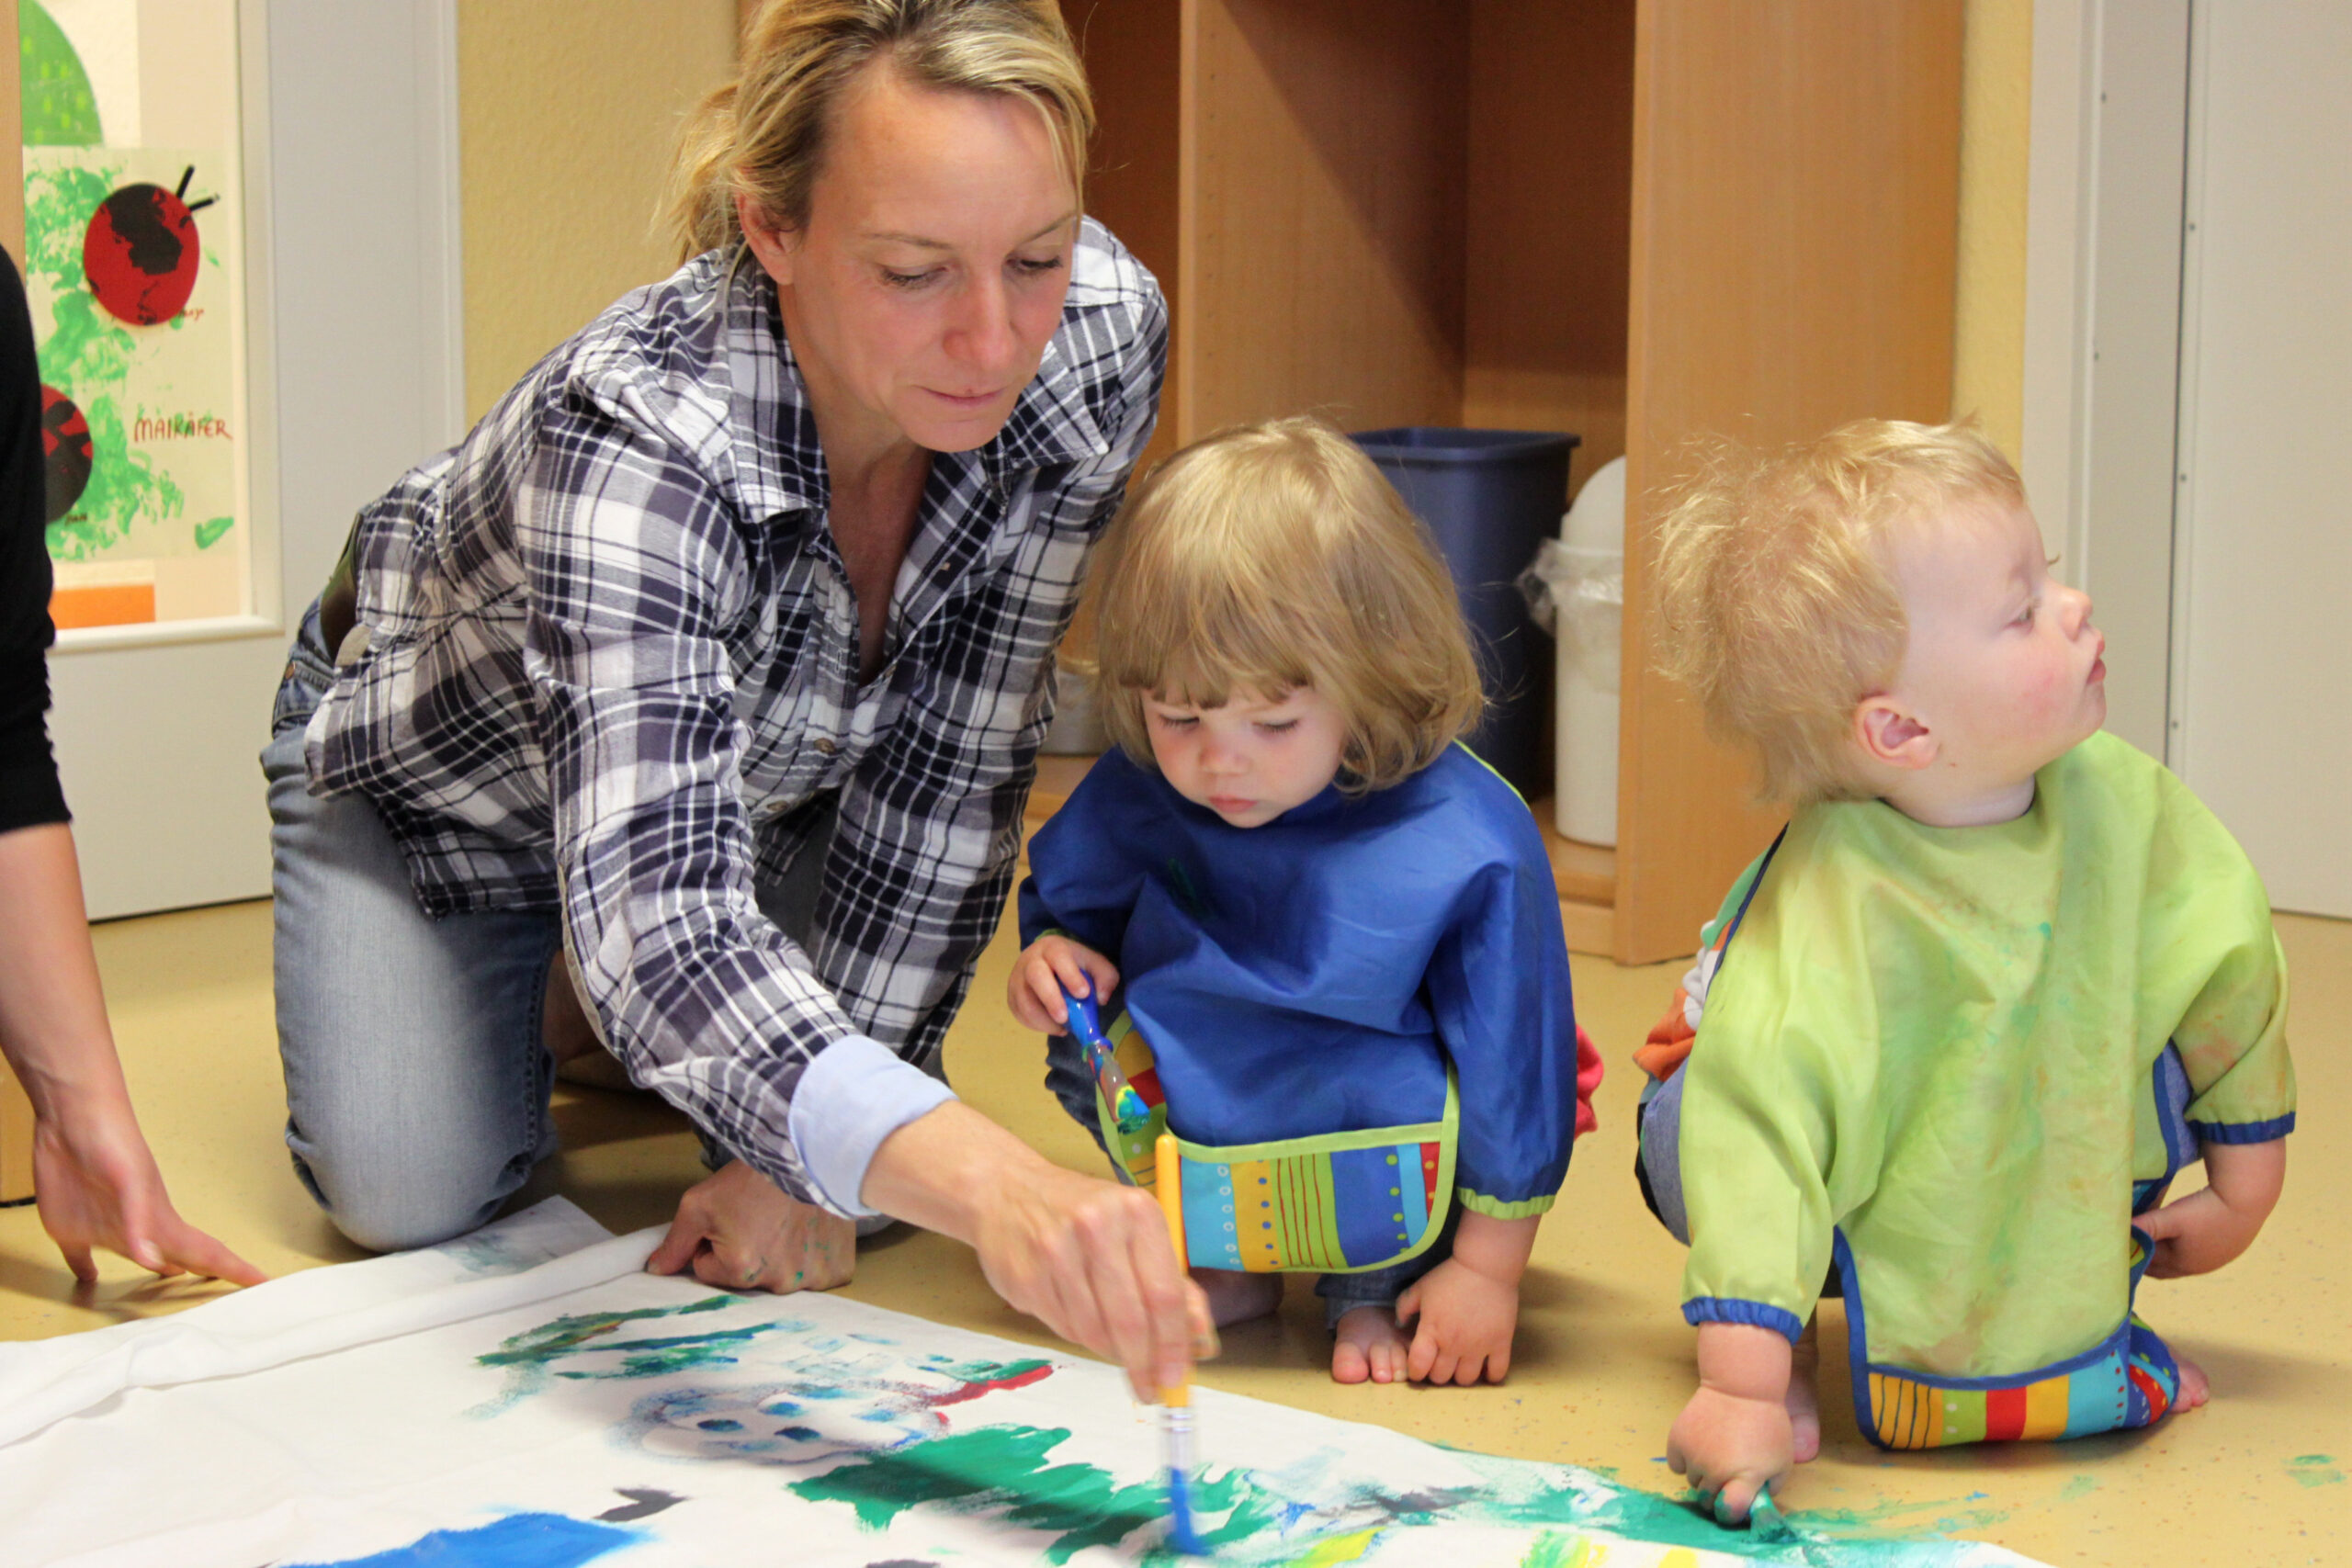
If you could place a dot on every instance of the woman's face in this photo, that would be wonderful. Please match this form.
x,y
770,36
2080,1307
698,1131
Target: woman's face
x,y
930,277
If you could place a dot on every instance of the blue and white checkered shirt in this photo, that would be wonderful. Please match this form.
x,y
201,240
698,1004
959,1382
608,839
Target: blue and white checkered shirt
x,y
611,646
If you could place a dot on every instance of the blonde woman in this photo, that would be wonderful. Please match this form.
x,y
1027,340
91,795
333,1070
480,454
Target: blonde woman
x,y
689,705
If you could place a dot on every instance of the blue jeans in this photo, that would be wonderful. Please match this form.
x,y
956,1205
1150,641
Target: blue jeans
x,y
417,1080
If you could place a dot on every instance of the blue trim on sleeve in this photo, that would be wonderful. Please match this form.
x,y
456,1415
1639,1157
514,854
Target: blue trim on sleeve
x,y
1748,1314
2244,1132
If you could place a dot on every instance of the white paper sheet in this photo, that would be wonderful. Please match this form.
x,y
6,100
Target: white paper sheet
x,y
529,1397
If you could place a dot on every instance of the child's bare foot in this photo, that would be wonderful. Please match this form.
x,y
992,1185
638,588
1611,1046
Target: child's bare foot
x,y
1237,1297
1369,1343
2195,1389
1804,1394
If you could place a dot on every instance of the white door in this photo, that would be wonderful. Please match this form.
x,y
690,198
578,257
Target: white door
x,y
2262,687
354,317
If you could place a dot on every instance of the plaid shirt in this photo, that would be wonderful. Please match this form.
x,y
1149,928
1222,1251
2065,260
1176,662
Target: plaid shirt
x,y
611,646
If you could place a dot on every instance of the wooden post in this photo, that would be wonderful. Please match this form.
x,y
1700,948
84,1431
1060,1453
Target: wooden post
x,y
15,1111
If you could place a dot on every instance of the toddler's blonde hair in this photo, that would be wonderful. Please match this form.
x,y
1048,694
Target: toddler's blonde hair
x,y
1777,605
1271,556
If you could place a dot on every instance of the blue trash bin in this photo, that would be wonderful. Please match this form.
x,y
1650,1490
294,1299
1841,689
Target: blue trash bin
x,y
1490,497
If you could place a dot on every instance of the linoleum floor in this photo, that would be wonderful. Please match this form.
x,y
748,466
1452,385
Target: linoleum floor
x,y
1603,1360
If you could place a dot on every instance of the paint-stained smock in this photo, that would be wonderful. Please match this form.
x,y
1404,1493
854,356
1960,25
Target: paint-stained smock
x,y
1317,974
1946,1047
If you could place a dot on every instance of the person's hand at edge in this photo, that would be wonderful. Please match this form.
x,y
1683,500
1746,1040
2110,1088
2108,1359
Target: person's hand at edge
x,y
98,1186
96,1182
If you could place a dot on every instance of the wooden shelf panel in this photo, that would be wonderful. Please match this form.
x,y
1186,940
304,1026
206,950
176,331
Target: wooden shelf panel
x,y
1587,872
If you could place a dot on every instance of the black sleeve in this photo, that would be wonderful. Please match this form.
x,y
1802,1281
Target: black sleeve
x,y
28,788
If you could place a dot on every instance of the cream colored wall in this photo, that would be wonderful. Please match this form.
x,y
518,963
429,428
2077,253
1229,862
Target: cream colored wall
x,y
567,116
1997,83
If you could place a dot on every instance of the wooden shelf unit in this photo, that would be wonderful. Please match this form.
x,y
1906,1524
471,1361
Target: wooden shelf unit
x,y
1641,221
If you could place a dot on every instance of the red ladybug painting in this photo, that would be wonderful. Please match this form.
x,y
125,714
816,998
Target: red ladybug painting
x,y
65,450
140,252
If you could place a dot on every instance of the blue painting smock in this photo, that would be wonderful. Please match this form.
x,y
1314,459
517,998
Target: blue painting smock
x,y
1321,974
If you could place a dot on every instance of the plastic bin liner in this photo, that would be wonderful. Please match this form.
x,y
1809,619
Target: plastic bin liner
x,y
1489,497
1576,589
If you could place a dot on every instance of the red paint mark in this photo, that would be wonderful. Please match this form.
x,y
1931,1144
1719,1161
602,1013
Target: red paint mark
x,y
1038,1373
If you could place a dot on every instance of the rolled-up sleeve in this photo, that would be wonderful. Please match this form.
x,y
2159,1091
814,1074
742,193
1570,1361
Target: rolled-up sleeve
x,y
799,1061
634,571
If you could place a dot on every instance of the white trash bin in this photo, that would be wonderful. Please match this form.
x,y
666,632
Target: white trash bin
x,y
1580,580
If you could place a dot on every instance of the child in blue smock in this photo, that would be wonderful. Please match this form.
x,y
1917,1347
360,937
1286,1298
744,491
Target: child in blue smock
x,y
1325,935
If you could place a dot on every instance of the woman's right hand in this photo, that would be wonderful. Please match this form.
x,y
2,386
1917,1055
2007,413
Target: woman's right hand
x,y
1090,1259
1049,966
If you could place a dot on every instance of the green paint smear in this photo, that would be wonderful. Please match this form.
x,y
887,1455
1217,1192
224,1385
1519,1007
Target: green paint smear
x,y
59,109
1007,1473
208,532
550,1341
531,1356
2316,1470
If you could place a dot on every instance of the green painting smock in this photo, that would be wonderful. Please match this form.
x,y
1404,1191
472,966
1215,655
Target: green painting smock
x,y
1943,1041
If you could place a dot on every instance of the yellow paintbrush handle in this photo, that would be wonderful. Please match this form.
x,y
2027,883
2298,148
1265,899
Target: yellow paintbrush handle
x,y
1169,1181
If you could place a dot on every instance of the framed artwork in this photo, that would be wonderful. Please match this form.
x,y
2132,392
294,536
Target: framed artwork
x,y
134,266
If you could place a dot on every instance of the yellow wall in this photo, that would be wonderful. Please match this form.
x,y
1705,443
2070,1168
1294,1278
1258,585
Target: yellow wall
x,y
567,115
1997,83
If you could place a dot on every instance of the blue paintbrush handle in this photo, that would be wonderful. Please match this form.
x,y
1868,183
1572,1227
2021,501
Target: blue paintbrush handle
x,y
1127,1108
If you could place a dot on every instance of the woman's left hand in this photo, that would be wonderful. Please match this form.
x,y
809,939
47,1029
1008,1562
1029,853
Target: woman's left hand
x,y
742,1232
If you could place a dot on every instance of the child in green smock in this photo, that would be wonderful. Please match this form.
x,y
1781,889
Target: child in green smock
x,y
1998,980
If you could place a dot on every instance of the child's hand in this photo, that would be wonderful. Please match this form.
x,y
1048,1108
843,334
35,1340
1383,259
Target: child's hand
x,y
2198,1234
1468,1319
1469,1304
1045,968
1731,1447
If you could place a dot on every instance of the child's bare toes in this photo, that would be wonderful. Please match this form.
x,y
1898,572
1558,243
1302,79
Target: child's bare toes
x,y
1368,1346
2194,1387
1804,1395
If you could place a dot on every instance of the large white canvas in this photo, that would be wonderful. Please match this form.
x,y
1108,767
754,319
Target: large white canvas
x,y
529,1397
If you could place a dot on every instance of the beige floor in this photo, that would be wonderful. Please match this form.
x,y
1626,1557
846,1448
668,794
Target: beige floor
x,y
1603,1360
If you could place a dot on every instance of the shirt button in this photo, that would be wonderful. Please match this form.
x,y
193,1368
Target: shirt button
x,y
827,746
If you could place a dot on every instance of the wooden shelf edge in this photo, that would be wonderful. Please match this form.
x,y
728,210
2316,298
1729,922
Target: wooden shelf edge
x,y
1586,874
1591,927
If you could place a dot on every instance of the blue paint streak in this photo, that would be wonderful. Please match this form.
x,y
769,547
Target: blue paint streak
x,y
1180,1535
518,1540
